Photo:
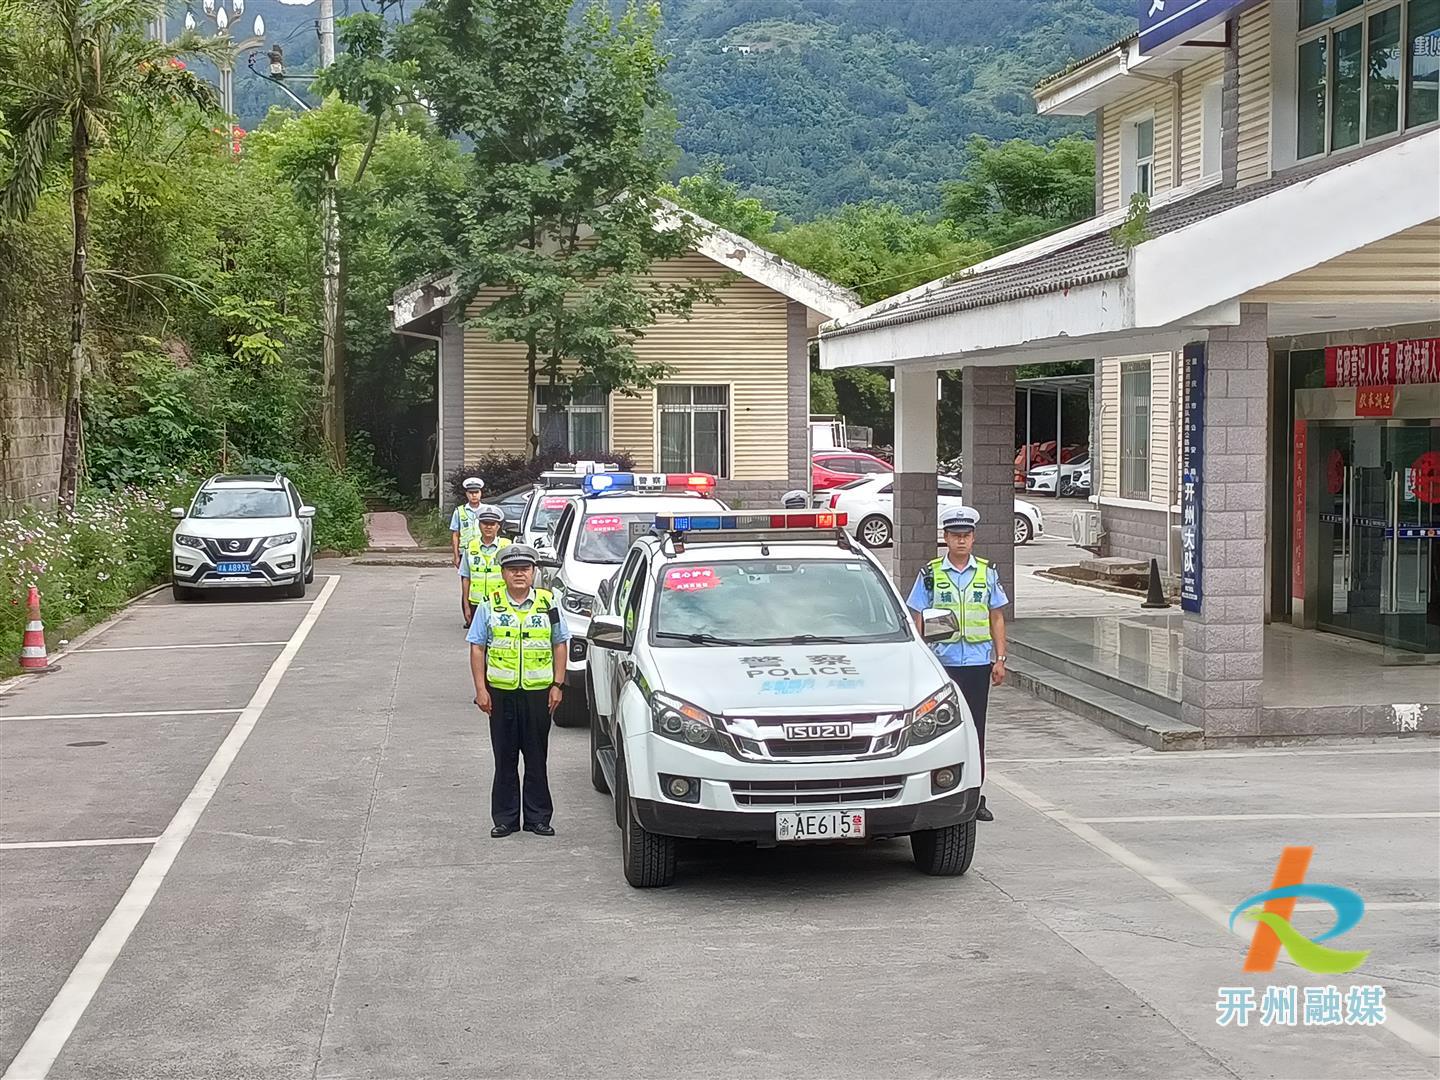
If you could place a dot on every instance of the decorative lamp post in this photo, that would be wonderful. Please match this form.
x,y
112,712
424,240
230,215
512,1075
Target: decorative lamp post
x,y
226,64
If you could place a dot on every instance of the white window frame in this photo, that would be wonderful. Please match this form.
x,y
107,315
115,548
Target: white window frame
x,y
1211,110
1361,16
1127,367
603,410
1130,159
727,424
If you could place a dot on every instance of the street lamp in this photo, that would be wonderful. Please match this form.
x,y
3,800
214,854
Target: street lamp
x,y
215,11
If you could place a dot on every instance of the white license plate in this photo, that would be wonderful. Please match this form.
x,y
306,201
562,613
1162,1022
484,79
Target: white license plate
x,y
820,825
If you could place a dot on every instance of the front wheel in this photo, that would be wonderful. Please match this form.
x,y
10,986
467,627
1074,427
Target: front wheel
x,y
1023,531
296,591
183,592
874,531
310,570
649,858
944,852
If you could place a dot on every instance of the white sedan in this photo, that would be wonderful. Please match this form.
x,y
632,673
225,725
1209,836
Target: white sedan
x,y
870,502
1074,478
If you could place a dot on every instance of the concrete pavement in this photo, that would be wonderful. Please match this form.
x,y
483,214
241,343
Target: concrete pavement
x,y
339,909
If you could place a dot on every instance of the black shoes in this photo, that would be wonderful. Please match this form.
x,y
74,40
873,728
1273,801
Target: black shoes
x,y
505,830
984,814
540,830
502,830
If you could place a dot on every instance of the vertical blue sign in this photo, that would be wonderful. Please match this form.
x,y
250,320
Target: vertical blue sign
x,y
1192,462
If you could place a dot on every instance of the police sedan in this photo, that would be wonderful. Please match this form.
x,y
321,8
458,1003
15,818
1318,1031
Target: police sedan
x,y
756,677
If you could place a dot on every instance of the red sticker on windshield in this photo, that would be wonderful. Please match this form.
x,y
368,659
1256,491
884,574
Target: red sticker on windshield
x,y
690,578
604,523
553,502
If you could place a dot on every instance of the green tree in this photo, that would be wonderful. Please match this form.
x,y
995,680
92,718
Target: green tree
x,y
563,216
720,202
77,66
1015,191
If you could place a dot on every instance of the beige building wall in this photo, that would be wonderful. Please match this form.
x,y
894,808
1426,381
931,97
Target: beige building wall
x,y
1162,426
739,341
1193,81
1401,268
1157,100
1252,143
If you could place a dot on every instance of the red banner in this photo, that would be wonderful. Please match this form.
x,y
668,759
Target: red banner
x,y
1297,513
1375,401
1386,363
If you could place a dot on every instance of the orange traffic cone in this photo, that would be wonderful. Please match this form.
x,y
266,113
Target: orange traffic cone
x,y
33,657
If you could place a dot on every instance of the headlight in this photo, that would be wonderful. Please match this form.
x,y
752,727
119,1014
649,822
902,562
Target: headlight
x,y
936,715
188,541
686,723
578,602
283,538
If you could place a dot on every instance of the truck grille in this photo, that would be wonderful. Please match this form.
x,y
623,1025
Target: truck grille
x,y
815,792
764,739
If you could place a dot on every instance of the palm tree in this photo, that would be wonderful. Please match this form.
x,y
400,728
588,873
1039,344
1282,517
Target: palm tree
x,y
69,68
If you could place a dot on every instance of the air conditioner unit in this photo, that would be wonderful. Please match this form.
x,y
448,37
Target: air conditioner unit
x,y
1085,529
427,486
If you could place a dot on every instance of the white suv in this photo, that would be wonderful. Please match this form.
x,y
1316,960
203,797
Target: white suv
x,y
243,531
756,677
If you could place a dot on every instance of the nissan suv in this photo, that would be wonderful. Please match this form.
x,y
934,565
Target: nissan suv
x,y
243,531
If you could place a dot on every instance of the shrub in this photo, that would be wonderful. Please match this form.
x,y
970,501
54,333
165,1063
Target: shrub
x,y
501,472
339,506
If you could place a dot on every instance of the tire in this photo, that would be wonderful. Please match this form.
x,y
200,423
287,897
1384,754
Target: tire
x,y
648,859
597,774
573,713
1023,531
310,571
183,593
874,531
296,591
944,852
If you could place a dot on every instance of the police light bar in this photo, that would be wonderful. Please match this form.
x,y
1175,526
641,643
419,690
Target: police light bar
x,y
596,483
764,521
566,474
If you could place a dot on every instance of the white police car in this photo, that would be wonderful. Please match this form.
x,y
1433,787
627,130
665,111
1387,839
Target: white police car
x,y
588,540
756,676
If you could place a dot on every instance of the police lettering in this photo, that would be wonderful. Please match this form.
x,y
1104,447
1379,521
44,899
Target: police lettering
x,y
794,672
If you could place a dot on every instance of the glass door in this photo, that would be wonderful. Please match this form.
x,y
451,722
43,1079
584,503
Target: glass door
x,y
1354,514
1412,588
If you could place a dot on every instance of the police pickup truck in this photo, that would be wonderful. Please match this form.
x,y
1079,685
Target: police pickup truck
x,y
756,677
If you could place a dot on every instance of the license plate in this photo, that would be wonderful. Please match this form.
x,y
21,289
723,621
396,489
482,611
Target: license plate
x,y
800,732
820,825
232,568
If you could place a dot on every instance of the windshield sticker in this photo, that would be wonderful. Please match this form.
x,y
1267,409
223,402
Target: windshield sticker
x,y
604,523
553,502
690,578
773,667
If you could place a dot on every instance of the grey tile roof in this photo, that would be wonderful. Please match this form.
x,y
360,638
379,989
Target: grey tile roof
x,y
1088,260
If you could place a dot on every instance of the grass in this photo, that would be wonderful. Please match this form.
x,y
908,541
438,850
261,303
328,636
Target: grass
x,y
428,527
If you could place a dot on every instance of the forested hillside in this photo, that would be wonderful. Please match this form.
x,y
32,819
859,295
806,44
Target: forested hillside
x,y
838,101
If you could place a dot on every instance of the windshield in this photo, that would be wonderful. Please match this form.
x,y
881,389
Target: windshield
x,y
547,511
240,503
774,602
604,538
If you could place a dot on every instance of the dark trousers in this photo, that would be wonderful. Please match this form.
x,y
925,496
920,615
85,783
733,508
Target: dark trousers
x,y
520,725
974,683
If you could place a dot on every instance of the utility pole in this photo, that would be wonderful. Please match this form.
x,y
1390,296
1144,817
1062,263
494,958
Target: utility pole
x,y
333,379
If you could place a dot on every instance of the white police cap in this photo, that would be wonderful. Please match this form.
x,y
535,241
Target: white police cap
x,y
518,555
487,512
473,483
959,519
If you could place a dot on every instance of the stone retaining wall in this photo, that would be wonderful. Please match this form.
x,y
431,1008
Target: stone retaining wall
x,y
32,425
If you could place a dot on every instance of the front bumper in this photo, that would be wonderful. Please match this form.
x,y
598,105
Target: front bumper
x,y
690,822
579,657
196,568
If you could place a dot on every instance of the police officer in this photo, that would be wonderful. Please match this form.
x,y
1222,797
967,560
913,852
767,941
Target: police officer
x,y
464,527
974,657
517,658
481,566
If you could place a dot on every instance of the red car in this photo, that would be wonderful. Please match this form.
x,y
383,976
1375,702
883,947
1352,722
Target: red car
x,y
831,468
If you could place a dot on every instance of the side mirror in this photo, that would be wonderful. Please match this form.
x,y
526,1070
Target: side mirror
x,y
549,562
939,624
177,512
607,632
306,512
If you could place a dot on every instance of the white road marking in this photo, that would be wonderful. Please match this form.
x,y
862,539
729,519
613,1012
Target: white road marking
x,y
1418,1037
98,715
1192,756
30,845
1378,816
162,648
36,1057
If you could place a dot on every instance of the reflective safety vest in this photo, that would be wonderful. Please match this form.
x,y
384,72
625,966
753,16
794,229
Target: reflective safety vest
x,y
485,568
970,605
469,526
521,655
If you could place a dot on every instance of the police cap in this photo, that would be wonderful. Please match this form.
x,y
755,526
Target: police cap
x,y
473,483
518,555
488,512
960,519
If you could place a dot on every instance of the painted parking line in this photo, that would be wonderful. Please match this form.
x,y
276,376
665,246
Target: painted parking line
x,y
50,1035
1162,818
1416,1035
33,845
1192,756
163,648
103,715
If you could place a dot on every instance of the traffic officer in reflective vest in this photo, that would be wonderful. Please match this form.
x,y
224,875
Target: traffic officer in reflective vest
x,y
517,658
464,527
974,657
481,567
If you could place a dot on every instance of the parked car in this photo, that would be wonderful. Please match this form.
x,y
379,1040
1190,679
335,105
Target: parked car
x,y
243,531
1074,478
831,468
1039,454
869,502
